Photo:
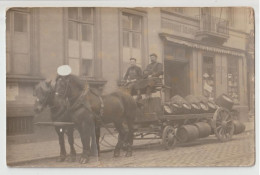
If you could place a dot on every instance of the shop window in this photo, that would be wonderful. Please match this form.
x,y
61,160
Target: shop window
x,y
81,40
208,77
18,42
132,38
233,79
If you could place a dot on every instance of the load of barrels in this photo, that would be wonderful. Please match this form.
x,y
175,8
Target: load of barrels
x,y
190,132
191,104
195,105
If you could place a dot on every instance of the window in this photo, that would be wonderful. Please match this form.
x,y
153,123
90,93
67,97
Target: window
x,y
132,38
18,41
208,77
81,40
233,79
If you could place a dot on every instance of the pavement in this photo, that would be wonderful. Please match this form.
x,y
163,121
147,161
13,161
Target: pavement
x,y
27,152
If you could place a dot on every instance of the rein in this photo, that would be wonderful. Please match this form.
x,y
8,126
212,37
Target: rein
x,y
79,101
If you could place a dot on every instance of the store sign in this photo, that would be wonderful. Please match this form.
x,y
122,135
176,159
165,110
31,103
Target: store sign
x,y
178,27
12,91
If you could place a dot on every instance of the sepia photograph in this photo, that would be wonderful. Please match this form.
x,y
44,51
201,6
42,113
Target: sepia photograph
x,y
130,87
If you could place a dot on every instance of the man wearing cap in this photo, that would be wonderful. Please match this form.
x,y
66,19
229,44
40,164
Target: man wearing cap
x,y
154,69
132,74
151,75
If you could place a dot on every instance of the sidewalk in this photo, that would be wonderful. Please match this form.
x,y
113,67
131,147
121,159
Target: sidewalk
x,y
18,153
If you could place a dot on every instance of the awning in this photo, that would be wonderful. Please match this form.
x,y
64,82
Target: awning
x,y
204,47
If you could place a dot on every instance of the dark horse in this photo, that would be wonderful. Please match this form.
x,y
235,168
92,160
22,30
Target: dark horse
x,y
118,108
60,112
45,96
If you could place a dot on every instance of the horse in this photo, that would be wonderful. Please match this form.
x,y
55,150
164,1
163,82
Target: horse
x,y
118,108
45,97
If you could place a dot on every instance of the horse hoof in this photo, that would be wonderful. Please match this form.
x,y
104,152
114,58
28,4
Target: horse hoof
x,y
61,159
83,160
116,153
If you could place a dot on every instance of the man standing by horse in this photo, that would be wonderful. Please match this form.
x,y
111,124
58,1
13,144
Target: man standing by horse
x,y
85,105
80,110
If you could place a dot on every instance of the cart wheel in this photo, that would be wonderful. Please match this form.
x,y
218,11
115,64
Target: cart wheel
x,y
169,139
222,124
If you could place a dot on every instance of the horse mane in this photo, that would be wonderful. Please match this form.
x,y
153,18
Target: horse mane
x,y
81,84
43,86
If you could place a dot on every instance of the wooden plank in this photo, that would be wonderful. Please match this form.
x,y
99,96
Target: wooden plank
x,y
187,116
61,124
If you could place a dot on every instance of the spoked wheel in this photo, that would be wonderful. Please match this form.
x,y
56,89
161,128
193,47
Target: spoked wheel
x,y
223,124
169,139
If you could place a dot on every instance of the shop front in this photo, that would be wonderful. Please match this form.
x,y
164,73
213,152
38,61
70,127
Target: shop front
x,y
192,67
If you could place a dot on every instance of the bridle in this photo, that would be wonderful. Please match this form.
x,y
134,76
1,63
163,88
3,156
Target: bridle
x,y
66,89
46,98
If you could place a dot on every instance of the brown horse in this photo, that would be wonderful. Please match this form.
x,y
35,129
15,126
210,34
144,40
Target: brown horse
x,y
45,97
118,108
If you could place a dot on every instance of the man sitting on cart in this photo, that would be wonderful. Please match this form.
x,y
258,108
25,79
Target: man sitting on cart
x,y
132,75
151,76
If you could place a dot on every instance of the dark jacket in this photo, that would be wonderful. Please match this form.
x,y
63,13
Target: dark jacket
x,y
133,72
155,69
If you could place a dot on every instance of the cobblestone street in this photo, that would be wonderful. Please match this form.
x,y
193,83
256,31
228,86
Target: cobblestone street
x,y
239,151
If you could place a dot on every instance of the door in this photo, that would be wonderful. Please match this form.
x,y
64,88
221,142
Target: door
x,y
177,78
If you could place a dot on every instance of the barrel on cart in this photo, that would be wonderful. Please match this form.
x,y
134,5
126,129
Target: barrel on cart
x,y
160,121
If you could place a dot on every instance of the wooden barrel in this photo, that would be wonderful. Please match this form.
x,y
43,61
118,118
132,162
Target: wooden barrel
x,y
186,108
239,127
195,108
187,133
204,129
176,109
167,109
204,107
212,107
225,101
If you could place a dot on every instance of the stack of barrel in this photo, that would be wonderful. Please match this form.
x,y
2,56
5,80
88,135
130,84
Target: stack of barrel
x,y
225,101
189,105
188,133
199,104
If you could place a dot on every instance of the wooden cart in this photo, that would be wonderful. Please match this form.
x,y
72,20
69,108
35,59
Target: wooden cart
x,y
163,126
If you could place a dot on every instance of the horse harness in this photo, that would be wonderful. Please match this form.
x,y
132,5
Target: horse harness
x,y
80,101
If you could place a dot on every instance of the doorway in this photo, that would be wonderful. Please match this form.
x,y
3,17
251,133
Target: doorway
x,y
176,74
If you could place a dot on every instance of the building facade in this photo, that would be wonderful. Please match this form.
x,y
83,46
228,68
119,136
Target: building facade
x,y
194,44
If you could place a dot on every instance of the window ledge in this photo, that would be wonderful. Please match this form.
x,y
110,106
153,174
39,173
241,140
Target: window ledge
x,y
23,78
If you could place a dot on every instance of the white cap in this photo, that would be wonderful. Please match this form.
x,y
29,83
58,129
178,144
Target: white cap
x,y
64,70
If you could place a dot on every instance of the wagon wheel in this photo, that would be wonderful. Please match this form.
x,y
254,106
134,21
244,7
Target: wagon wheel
x,y
222,124
169,139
